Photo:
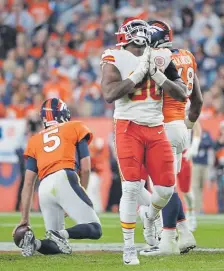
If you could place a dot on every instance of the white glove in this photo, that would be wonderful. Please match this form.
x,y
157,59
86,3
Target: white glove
x,y
193,150
156,74
189,123
143,67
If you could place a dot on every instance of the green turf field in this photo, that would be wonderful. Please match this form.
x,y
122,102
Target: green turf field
x,y
210,234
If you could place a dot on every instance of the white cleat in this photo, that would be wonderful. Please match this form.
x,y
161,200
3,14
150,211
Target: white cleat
x,y
149,231
61,242
186,242
130,256
28,246
167,246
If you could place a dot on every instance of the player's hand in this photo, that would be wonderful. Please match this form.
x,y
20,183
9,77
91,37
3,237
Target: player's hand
x,y
155,73
143,67
22,223
190,153
189,123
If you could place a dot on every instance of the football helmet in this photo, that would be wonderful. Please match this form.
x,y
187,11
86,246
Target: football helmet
x,y
133,30
54,111
161,34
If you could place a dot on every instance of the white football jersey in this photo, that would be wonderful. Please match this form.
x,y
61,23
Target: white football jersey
x,y
145,105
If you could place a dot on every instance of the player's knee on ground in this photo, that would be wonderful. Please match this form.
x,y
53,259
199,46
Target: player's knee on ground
x,y
161,195
95,231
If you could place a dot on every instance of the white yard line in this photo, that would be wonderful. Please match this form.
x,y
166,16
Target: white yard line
x,y
109,247
116,216
34,225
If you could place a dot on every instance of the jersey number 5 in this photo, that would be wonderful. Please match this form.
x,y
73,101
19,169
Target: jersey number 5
x,y
51,141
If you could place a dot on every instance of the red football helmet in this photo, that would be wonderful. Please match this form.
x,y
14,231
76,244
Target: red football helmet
x,y
133,30
161,34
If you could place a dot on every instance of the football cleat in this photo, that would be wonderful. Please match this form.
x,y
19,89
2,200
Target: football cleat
x,y
167,246
29,245
60,241
130,256
186,242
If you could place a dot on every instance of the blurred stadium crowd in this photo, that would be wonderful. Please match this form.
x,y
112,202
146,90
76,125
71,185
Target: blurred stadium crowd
x,y
53,49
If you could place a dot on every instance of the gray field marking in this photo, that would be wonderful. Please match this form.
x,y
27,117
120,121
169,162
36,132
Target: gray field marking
x,y
109,247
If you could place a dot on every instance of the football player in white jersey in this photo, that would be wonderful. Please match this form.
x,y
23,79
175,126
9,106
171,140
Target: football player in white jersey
x,y
135,76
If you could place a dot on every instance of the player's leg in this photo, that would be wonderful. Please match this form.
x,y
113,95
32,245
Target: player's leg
x,y
76,203
48,206
130,153
144,197
184,179
186,239
197,175
159,163
53,215
177,134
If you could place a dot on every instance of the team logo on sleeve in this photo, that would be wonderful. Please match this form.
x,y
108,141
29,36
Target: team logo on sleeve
x,y
159,61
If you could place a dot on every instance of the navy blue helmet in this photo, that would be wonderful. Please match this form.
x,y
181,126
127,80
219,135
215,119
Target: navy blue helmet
x,y
54,111
161,34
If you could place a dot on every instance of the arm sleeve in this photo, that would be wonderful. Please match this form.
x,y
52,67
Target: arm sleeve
x,y
83,149
84,132
171,72
31,164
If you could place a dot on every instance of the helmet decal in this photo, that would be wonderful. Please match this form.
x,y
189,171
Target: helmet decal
x,y
54,111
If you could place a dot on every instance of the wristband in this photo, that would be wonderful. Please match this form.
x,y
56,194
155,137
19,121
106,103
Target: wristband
x,y
159,77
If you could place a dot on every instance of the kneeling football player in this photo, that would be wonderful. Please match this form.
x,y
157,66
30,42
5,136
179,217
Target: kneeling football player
x,y
51,156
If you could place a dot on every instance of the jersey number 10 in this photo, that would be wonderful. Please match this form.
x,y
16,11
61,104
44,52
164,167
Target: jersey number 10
x,y
51,141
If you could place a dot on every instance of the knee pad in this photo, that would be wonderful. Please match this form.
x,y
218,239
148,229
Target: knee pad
x,y
161,195
96,232
131,190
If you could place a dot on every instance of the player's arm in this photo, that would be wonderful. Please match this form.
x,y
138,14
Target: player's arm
x,y
113,87
196,104
170,82
85,163
28,189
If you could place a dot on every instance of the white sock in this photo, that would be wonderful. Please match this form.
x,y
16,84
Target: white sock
x,y
38,244
182,226
128,235
169,234
64,234
128,210
189,199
